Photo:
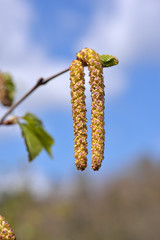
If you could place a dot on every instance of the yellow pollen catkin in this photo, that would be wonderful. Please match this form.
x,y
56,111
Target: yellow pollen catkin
x,y
90,58
6,232
7,89
79,113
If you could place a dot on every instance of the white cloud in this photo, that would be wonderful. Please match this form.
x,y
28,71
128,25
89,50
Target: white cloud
x,y
129,30
15,17
27,61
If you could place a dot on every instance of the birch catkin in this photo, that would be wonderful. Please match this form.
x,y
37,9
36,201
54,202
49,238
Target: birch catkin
x,y
7,89
90,58
79,113
3,93
6,232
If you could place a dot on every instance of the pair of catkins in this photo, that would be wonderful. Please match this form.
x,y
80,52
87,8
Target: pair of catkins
x,y
95,63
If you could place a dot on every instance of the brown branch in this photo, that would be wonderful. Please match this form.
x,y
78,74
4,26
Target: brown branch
x,y
39,83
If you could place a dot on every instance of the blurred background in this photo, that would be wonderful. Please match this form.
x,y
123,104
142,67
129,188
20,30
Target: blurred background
x,y
49,198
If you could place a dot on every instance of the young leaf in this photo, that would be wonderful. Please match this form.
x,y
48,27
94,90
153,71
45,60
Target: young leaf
x,y
36,138
29,117
33,144
108,60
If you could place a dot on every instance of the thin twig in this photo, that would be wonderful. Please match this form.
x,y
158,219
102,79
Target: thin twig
x,y
39,83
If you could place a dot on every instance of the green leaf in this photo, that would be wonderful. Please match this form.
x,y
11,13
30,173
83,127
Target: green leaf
x,y
36,138
108,60
29,117
33,144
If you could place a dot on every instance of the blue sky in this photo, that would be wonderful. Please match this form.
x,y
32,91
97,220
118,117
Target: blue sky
x,y
40,38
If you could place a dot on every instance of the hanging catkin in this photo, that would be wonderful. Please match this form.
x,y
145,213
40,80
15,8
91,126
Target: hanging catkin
x,y
7,89
79,113
90,58
6,232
